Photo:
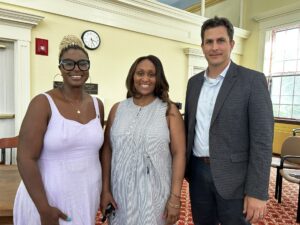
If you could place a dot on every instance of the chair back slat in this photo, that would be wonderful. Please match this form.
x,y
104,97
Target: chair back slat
x,y
6,146
11,142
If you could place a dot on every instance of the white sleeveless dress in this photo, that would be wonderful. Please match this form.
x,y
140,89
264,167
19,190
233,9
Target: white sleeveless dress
x,y
141,163
70,168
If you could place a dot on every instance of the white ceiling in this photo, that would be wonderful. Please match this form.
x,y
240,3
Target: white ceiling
x,y
181,4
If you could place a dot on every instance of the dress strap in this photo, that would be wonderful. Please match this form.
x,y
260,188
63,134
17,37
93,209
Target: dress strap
x,y
51,102
96,105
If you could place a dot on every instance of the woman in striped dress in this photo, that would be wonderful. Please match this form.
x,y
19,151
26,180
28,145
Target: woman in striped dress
x,y
144,150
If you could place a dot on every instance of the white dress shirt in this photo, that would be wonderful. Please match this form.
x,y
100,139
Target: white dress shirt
x,y
206,104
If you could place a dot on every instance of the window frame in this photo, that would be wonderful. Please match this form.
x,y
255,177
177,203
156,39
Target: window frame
x,y
268,64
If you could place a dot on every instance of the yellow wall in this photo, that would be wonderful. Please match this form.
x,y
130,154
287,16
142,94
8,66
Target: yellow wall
x,y
110,62
229,9
251,51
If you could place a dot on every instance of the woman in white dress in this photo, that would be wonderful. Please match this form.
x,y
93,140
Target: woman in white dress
x,y
58,152
144,150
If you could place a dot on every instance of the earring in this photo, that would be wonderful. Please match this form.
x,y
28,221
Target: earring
x,y
57,84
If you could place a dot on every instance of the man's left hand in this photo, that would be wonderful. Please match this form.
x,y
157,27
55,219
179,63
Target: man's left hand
x,y
254,209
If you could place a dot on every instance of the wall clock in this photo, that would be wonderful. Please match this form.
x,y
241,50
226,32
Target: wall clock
x,y
91,39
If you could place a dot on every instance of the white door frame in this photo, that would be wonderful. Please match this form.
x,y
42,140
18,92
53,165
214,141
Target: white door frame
x,y
16,26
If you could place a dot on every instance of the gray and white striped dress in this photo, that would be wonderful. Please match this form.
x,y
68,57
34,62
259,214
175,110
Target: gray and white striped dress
x,y
141,163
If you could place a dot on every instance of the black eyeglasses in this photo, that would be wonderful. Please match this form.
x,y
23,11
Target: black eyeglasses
x,y
69,64
110,210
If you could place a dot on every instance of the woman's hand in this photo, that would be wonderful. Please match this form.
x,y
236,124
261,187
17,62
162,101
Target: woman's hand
x,y
172,210
106,198
52,215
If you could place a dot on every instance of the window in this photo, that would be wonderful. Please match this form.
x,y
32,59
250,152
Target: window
x,y
283,72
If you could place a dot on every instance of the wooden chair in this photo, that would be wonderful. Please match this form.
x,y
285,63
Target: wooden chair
x,y
8,144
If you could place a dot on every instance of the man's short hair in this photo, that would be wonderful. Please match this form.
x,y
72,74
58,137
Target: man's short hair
x,y
217,22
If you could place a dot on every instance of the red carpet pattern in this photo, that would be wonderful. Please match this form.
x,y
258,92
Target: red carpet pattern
x,y
277,214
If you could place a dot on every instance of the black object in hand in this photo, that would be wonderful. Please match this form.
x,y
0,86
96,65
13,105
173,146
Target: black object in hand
x,y
110,210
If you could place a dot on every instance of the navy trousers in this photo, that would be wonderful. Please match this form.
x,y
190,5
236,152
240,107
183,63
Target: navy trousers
x,y
208,207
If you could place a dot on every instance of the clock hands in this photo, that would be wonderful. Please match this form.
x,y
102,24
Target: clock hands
x,y
93,42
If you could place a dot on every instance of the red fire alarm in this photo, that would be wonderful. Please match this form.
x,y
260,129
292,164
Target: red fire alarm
x,y
41,46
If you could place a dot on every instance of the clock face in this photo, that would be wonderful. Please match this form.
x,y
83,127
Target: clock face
x,y
91,39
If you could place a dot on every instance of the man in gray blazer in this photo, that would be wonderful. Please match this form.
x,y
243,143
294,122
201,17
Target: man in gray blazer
x,y
229,127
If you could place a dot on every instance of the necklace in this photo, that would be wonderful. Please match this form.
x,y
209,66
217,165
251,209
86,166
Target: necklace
x,y
76,108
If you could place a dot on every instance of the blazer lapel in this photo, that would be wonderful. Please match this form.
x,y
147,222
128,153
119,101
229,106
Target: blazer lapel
x,y
227,84
195,94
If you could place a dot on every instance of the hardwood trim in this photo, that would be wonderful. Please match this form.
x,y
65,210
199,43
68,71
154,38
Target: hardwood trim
x,y
286,121
7,116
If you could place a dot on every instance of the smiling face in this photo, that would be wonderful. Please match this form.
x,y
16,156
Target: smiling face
x,y
75,77
217,47
144,78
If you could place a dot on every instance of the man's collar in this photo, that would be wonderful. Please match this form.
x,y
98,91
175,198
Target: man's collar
x,y
222,74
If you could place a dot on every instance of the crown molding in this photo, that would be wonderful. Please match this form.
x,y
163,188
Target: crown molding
x,y
19,18
162,10
241,33
282,11
143,16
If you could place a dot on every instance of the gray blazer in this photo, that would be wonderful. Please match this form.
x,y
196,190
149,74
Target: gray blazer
x,y
240,135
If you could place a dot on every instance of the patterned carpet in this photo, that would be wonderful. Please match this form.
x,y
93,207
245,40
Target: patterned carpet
x,y
283,213
278,214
